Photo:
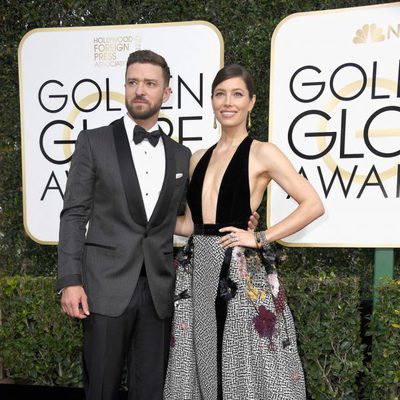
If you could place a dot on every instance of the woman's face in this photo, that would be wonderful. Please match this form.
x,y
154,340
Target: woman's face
x,y
231,102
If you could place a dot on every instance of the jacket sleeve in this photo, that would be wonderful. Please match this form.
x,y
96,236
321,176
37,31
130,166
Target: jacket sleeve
x,y
182,204
78,201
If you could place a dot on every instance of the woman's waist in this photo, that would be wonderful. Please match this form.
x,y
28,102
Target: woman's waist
x,y
213,229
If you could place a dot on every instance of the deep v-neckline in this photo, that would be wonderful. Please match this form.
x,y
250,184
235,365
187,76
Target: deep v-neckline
x,y
228,166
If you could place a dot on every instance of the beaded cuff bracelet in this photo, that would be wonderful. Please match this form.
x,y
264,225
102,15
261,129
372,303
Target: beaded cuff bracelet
x,y
261,240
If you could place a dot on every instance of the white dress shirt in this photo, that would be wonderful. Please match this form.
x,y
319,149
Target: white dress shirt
x,y
149,164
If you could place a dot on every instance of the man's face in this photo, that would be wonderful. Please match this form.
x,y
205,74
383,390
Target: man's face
x,y
145,90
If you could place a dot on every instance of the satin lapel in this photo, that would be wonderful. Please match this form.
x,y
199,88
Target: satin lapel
x,y
168,186
128,174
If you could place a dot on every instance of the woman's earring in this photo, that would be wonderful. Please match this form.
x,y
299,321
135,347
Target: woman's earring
x,y
215,122
248,121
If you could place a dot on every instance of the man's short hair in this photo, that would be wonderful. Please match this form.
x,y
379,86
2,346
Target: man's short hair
x,y
149,57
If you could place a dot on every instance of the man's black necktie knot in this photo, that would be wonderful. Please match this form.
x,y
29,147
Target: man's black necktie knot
x,y
139,133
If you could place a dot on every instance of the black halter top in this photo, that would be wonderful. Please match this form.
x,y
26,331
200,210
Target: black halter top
x,y
233,204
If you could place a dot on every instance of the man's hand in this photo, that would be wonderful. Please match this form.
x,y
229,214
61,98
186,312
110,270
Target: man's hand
x,y
74,302
253,221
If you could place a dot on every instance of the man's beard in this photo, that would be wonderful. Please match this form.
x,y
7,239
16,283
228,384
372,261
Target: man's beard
x,y
144,114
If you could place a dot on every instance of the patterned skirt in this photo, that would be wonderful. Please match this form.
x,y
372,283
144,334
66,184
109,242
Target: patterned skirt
x,y
256,357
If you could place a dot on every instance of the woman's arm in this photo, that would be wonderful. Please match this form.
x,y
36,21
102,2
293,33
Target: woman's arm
x,y
184,223
309,208
274,165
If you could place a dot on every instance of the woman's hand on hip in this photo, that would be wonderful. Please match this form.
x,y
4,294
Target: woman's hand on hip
x,y
237,237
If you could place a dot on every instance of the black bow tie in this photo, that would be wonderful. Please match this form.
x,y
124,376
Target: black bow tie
x,y
140,133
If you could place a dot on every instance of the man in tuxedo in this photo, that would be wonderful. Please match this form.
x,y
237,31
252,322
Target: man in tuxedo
x,y
125,188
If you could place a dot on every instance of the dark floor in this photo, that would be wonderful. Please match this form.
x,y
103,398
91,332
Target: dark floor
x,y
20,392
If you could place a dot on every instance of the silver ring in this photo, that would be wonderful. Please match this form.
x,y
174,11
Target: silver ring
x,y
232,235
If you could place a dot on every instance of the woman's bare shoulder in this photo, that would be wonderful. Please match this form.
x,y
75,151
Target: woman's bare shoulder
x,y
265,148
196,156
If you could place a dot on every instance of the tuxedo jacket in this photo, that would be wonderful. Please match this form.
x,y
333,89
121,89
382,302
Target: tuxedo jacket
x,y
105,236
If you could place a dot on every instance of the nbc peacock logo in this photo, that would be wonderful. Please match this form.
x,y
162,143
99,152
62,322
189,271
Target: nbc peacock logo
x,y
369,33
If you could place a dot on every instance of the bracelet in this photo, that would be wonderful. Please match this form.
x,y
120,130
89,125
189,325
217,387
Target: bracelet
x,y
256,240
261,240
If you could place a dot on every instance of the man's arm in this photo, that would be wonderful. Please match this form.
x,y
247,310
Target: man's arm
x,y
77,208
74,302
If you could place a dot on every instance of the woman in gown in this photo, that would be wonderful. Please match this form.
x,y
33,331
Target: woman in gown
x,y
233,335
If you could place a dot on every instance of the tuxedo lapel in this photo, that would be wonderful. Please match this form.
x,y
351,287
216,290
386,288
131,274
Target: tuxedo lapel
x,y
168,186
128,173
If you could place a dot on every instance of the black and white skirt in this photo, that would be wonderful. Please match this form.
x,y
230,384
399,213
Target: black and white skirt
x,y
254,354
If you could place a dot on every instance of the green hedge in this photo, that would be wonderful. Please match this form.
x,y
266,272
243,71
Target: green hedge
x,y
328,328
40,345
341,262
383,378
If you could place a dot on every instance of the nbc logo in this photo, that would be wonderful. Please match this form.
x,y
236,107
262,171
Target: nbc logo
x,y
368,34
